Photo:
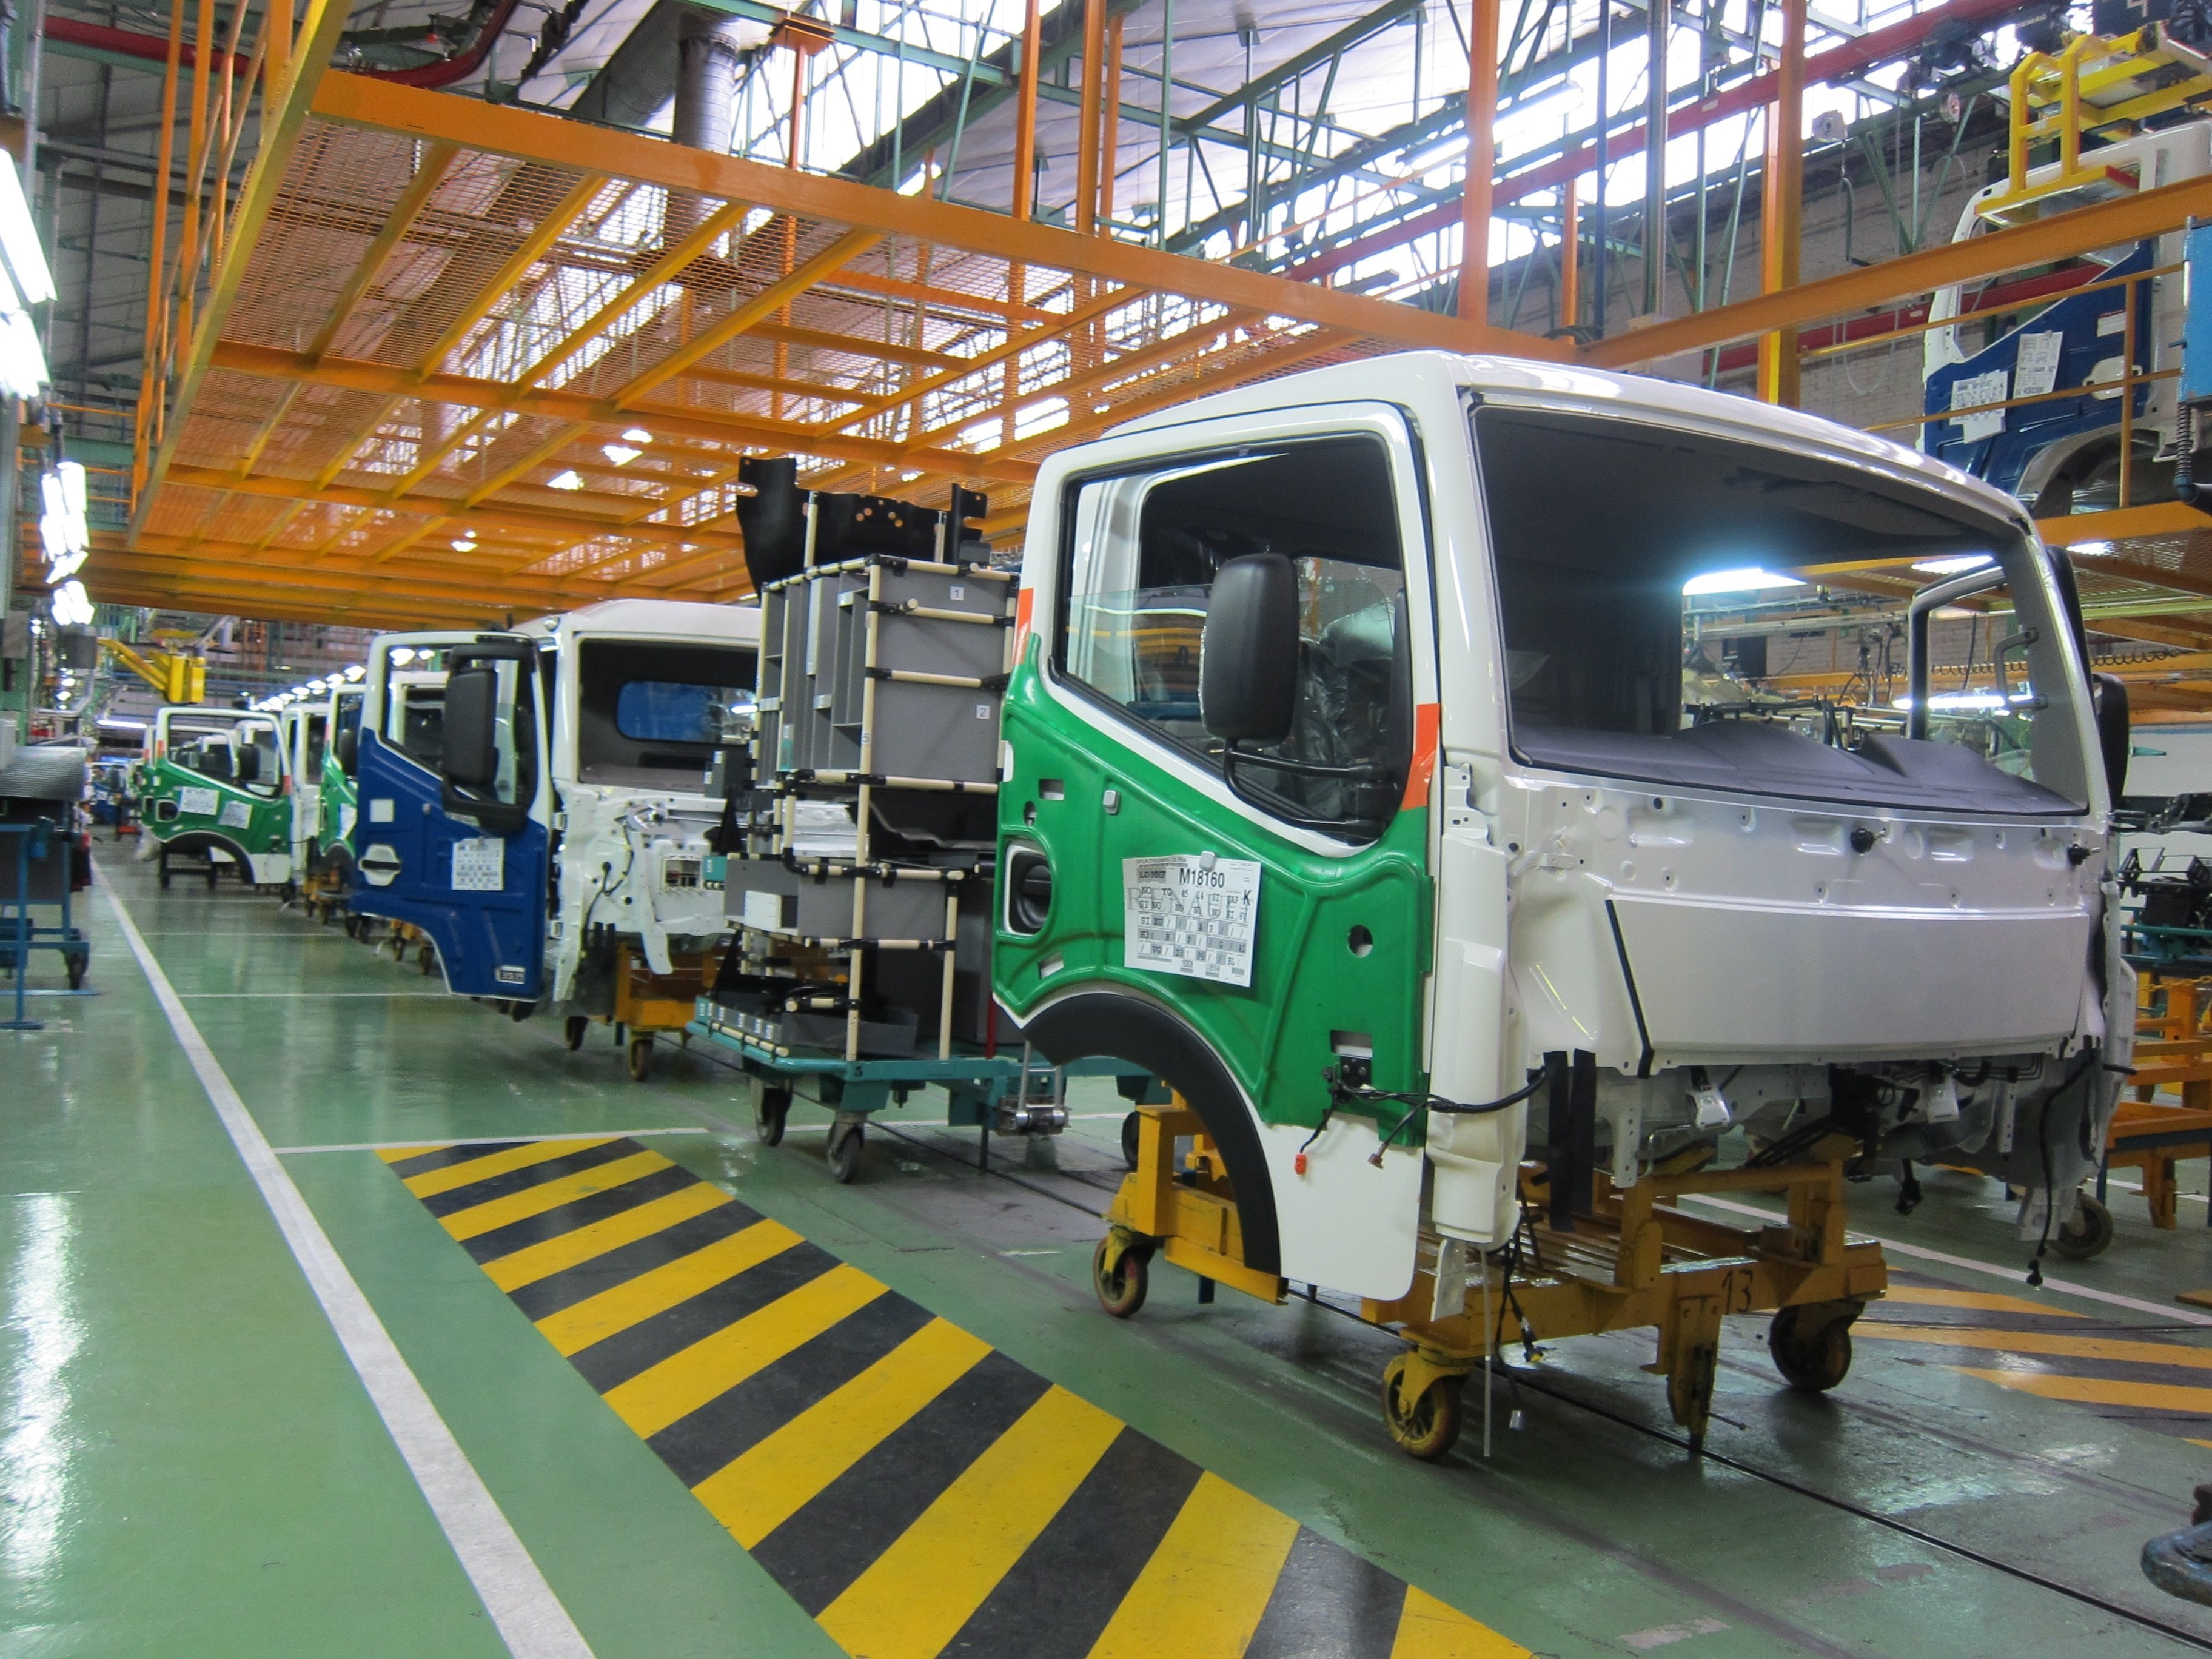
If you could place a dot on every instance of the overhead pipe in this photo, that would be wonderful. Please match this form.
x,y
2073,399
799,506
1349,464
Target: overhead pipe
x,y
711,50
153,49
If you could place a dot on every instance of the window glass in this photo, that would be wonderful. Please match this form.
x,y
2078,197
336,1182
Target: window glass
x,y
1625,552
415,718
1143,551
654,713
675,711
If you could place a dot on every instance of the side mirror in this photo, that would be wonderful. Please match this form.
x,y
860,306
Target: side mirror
x,y
1248,653
247,767
348,748
471,747
2109,696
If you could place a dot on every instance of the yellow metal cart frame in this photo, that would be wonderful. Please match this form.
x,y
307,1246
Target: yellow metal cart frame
x,y
647,1004
1632,1261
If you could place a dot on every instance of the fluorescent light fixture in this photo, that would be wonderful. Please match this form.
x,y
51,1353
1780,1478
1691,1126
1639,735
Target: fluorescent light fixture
x,y
620,454
18,242
1429,155
355,670
1964,563
2090,549
1745,580
22,364
567,478
71,607
122,725
402,655
465,543
637,434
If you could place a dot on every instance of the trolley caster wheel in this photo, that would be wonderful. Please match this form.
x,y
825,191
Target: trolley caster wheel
x,y
846,1145
425,959
572,1030
213,872
1121,1291
640,1058
2087,1235
1426,1426
1129,1127
1811,1346
165,875
76,965
771,1107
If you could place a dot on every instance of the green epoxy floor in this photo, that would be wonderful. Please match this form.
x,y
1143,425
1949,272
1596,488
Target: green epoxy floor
x,y
189,1465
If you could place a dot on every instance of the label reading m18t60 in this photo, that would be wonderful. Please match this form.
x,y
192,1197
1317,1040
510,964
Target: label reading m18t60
x,y
1191,913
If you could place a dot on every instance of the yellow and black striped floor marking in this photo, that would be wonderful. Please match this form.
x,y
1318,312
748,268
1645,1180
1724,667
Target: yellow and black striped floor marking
x,y
2141,1376
915,1490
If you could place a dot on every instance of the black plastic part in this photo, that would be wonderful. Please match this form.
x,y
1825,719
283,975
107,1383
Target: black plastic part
x,y
1573,1152
1029,891
2115,736
1093,1023
771,517
1249,653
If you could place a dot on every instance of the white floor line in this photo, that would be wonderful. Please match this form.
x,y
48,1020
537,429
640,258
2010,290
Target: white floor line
x,y
529,1617
503,1140
233,996
2017,1274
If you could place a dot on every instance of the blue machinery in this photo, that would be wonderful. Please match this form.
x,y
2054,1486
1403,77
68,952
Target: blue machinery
x,y
33,848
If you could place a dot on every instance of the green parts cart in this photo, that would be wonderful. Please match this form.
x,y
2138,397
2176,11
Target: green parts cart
x,y
214,789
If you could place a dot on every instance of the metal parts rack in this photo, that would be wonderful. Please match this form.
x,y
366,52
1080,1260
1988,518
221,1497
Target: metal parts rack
x,y
1631,1259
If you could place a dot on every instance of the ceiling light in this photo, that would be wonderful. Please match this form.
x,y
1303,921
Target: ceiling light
x,y
620,454
1744,580
1953,567
402,655
355,670
18,242
637,434
2092,550
71,607
22,364
465,543
567,478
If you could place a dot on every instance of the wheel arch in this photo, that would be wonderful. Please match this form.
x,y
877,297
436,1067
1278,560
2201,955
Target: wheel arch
x,y
1089,1025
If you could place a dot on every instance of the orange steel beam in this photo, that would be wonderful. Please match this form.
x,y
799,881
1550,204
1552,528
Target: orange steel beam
x,y
408,207
282,124
1087,146
422,581
1481,162
523,134
2042,242
1779,222
668,419
550,229
709,231
156,593
748,313
499,512
152,379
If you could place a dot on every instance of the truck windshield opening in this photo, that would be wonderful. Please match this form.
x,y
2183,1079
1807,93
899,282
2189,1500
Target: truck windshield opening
x,y
1627,552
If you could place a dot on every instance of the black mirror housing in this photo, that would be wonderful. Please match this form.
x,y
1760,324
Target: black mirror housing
x,y
348,749
1249,653
2115,740
246,768
472,732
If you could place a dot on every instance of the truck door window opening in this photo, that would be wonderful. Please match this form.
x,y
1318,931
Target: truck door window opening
x,y
651,714
1142,550
1597,525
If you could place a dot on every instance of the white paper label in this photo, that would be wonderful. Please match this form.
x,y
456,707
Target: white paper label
x,y
202,801
957,592
2113,322
1191,913
2038,372
345,821
236,814
1976,389
762,910
480,865
380,812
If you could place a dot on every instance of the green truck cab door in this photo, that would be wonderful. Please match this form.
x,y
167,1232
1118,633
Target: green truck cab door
x,y
1240,930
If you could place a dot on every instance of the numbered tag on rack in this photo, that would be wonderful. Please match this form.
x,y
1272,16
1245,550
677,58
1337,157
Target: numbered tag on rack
x,y
1191,913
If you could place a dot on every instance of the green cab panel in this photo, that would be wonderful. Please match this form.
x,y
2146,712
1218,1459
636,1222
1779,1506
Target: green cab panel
x,y
1342,943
